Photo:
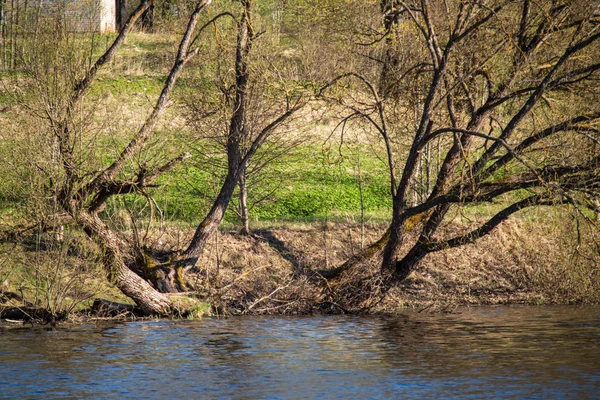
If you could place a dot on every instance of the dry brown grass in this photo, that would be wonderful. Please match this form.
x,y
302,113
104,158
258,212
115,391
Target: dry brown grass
x,y
274,271
520,262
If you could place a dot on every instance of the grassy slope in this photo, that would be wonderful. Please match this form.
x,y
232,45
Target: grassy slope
x,y
304,184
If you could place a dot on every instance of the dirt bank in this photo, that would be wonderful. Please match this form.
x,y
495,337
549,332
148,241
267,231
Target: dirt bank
x,y
274,271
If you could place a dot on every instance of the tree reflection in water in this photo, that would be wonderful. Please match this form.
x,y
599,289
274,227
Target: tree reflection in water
x,y
537,352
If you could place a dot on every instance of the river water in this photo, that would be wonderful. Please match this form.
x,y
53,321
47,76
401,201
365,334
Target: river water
x,y
503,352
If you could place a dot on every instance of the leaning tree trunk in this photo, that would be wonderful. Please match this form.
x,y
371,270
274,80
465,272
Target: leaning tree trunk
x,y
403,267
131,284
238,133
211,222
392,247
168,276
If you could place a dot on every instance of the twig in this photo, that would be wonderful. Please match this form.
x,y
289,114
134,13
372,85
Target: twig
x,y
267,296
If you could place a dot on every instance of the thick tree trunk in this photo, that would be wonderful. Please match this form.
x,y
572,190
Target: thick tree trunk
x,y
135,287
392,247
148,19
132,285
407,264
122,13
165,272
401,268
30,314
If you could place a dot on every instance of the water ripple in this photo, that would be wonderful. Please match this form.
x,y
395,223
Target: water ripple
x,y
532,352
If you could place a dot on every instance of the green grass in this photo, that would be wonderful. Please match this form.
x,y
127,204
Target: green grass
x,y
301,187
128,85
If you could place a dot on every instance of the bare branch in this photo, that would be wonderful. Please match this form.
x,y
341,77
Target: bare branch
x,y
82,86
533,99
137,184
381,126
472,236
140,138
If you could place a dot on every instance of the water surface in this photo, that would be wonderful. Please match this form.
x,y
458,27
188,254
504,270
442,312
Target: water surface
x,y
504,352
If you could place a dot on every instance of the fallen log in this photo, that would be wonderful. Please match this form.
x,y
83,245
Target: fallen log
x,y
30,314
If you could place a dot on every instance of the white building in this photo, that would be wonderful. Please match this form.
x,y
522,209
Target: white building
x,y
101,15
89,15
108,16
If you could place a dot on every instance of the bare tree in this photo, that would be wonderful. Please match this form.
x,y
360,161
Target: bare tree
x,y
510,94
81,192
82,185
243,138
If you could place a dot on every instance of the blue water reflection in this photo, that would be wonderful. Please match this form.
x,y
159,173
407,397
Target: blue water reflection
x,y
533,352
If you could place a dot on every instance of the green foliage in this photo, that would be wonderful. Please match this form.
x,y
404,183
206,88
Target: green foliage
x,y
303,188
128,85
199,311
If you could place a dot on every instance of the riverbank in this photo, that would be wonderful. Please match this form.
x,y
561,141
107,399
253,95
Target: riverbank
x,y
279,270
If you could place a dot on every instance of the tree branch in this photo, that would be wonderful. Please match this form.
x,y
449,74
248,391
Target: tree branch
x,y
139,139
488,226
137,184
82,86
381,127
